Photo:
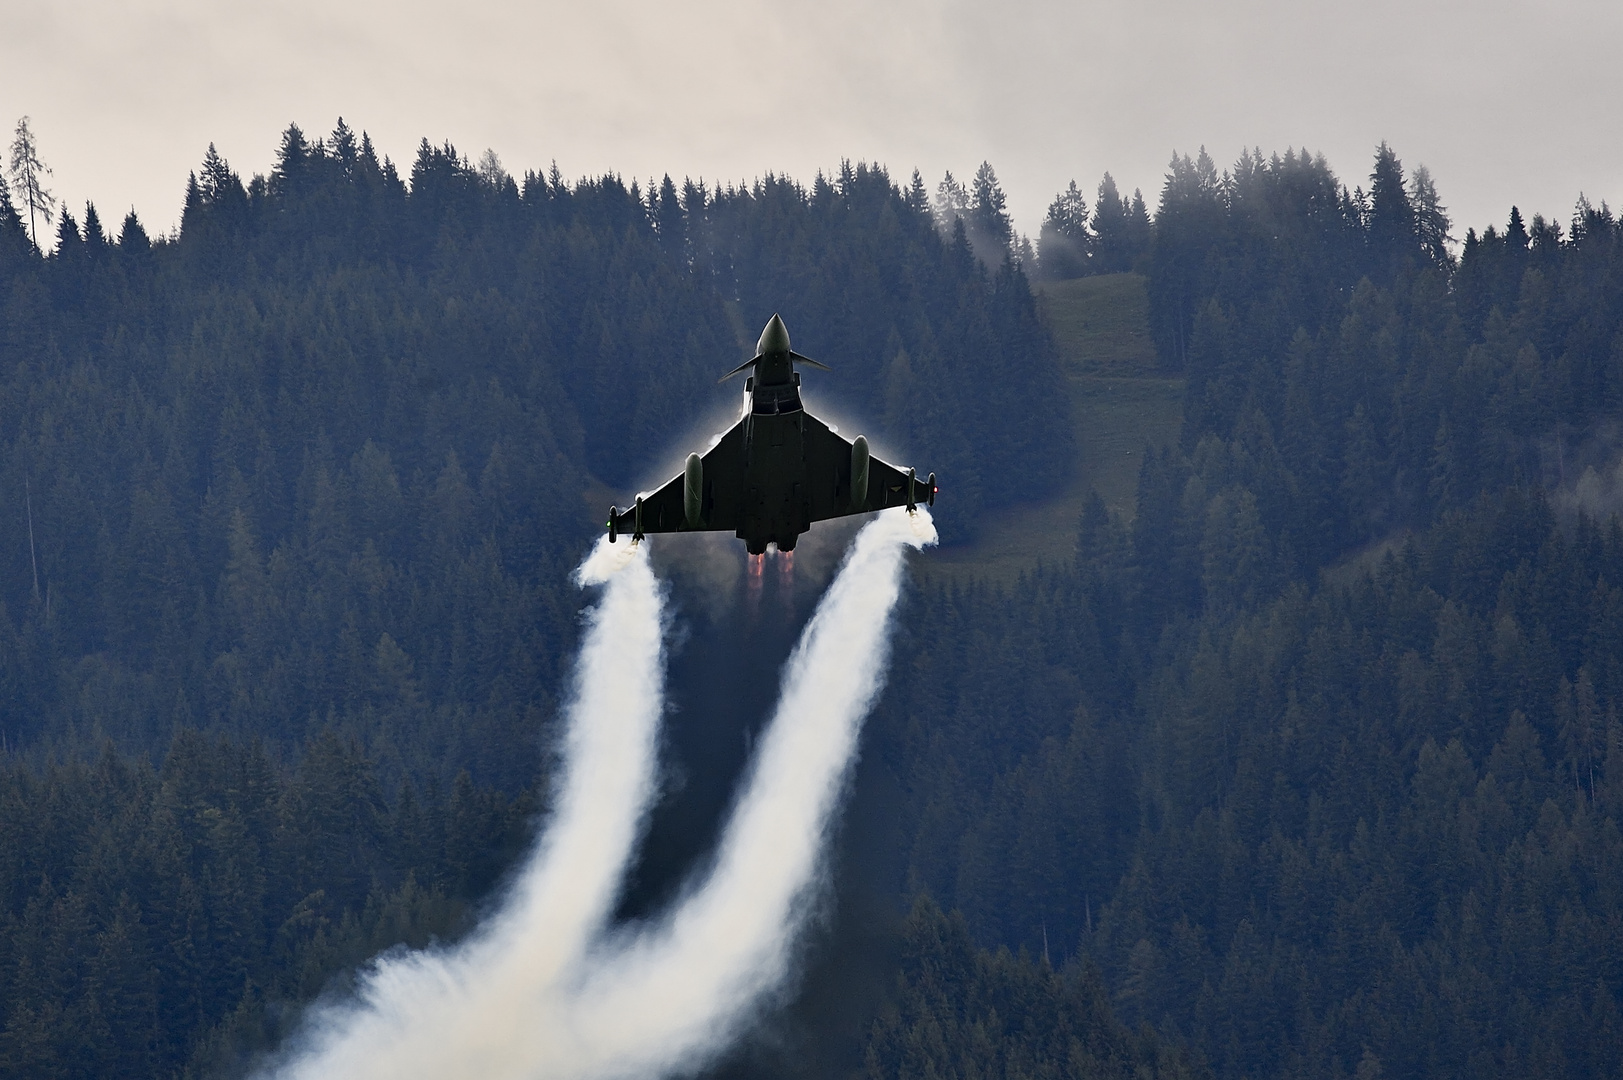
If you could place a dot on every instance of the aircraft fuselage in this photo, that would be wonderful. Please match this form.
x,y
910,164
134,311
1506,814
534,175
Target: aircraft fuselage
x,y
775,509
774,472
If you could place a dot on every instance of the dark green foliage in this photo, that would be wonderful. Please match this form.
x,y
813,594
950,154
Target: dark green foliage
x,y
993,727
308,478
990,227
1113,241
1065,243
1317,757
1314,766
1380,821
321,457
1121,228
1393,384
144,906
1378,818
1391,220
962,1012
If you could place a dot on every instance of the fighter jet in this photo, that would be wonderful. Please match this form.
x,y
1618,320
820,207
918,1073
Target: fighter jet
x,y
776,471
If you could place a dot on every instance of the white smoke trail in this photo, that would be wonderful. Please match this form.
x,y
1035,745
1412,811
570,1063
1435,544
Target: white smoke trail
x,y
672,996
525,998
463,1011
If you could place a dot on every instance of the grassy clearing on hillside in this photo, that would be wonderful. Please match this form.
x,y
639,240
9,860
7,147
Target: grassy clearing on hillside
x,y
1118,404
1101,325
1114,418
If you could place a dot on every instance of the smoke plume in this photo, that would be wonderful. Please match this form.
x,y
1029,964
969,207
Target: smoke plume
x,y
463,1011
545,989
692,978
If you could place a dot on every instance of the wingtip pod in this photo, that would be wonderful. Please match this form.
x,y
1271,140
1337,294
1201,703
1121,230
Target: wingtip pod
x,y
613,524
921,525
605,560
915,528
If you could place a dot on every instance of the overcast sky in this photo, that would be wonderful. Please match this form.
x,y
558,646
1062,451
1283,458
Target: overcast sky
x,y
1507,101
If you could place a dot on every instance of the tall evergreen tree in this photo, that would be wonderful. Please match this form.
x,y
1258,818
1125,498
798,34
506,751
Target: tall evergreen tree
x,y
1392,226
990,227
15,244
95,236
952,202
1431,217
1113,225
132,235
28,175
1064,242
1190,225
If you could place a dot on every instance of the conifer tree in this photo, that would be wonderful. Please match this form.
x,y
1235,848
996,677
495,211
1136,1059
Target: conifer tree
x,y
951,202
348,154
1064,241
490,170
95,236
1430,217
1516,240
28,174
669,221
1190,225
292,162
1589,223
132,235
1111,226
1390,219
918,199
1136,236
9,218
68,241
14,239
991,229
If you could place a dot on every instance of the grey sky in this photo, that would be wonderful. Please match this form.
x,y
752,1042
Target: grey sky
x,y
1505,100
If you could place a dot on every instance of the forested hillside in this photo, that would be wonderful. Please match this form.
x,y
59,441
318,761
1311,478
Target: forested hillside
x,y
1318,755
291,499
1310,766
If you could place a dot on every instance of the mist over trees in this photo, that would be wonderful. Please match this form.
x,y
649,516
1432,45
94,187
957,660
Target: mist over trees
x,y
980,211
1072,245
1311,766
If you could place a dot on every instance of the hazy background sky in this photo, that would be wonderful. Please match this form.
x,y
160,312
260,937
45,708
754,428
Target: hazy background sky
x,y
1505,100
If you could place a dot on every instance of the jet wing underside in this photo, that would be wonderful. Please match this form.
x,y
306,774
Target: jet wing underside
x,y
723,483
821,477
828,468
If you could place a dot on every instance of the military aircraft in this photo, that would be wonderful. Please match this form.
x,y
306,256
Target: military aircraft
x,y
776,471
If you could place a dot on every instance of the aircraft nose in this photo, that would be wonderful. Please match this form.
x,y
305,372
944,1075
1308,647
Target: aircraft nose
x,y
774,339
